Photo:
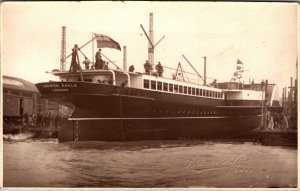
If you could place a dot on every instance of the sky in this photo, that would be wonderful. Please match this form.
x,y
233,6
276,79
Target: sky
x,y
262,35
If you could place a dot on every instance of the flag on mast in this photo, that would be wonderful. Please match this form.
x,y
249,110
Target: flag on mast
x,y
104,41
239,62
239,65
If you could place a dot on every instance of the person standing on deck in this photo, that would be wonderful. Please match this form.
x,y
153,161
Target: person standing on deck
x,y
105,65
159,69
131,68
73,61
147,67
99,61
86,62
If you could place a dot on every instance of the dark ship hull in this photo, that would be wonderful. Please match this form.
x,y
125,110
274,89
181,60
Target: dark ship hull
x,y
105,112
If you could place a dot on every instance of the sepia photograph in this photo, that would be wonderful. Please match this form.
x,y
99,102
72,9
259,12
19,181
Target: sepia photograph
x,y
121,94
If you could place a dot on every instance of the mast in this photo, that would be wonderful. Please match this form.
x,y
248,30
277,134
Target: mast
x,y
204,70
63,50
151,42
93,51
124,59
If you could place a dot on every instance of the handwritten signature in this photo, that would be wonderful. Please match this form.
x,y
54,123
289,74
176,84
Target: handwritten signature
x,y
237,164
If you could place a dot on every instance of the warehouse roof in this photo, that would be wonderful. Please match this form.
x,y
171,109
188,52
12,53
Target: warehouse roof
x,y
18,84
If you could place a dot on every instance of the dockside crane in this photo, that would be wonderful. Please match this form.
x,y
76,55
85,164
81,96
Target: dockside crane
x,y
63,50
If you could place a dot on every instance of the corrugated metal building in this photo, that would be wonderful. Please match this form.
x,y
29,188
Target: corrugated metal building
x,y
22,97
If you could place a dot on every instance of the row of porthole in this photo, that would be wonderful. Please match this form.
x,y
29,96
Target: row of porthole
x,y
185,112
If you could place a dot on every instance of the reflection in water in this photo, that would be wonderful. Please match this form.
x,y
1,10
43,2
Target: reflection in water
x,y
47,163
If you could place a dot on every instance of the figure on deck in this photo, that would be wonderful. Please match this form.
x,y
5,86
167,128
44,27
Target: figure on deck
x,y
74,67
99,61
110,81
105,65
86,62
131,68
147,67
159,69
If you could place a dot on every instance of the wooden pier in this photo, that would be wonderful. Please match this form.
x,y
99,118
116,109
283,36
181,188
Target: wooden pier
x,y
284,130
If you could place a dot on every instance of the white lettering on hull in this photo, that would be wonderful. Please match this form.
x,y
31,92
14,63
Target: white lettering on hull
x,y
63,87
59,85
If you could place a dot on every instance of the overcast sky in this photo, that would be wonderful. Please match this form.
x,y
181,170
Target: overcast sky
x,y
262,35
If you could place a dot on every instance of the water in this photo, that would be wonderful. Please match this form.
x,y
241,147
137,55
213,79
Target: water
x,y
32,162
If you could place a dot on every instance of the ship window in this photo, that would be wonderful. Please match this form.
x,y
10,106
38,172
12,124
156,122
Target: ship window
x,y
159,85
185,90
210,93
180,89
197,91
204,92
201,92
170,87
165,86
193,91
189,90
153,85
176,88
146,84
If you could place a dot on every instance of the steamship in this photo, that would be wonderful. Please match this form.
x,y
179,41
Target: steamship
x,y
119,105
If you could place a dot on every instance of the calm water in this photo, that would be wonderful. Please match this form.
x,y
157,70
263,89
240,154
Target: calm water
x,y
47,163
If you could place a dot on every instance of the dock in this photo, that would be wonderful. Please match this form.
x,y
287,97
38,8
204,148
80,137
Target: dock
x,y
279,127
38,132
279,137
